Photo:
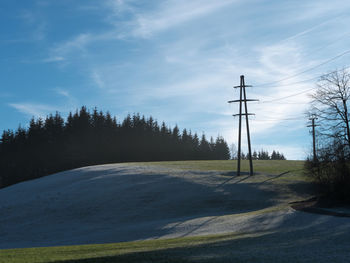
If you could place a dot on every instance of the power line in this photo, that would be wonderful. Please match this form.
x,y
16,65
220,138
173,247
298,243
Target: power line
x,y
281,103
273,120
298,93
291,103
307,31
307,70
301,81
332,42
291,84
289,96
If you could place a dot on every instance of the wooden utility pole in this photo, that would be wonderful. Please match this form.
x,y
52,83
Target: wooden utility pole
x,y
243,98
313,125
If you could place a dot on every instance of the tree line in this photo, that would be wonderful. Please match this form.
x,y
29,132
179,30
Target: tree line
x,y
264,155
86,138
260,155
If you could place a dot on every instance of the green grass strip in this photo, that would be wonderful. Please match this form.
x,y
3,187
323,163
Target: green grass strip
x,y
157,250
260,166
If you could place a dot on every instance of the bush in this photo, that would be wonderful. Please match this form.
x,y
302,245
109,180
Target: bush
x,y
331,171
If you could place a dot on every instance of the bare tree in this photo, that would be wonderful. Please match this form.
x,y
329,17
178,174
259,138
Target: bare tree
x,y
330,106
331,169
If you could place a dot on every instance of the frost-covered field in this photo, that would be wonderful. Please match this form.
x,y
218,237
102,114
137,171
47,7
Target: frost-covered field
x,y
126,202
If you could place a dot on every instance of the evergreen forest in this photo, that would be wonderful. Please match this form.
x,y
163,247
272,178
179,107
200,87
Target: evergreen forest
x,y
86,138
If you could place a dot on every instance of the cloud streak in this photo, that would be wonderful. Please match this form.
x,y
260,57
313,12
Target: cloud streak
x,y
97,79
33,109
68,48
173,13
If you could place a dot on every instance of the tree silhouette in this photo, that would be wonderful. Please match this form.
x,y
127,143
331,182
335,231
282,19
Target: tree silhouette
x,y
53,144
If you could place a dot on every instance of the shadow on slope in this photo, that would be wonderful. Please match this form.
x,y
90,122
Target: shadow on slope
x,y
114,203
298,243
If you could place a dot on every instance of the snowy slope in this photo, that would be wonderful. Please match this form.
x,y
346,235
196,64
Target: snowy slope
x,y
116,202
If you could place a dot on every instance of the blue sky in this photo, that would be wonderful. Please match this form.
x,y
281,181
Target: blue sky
x,y
176,60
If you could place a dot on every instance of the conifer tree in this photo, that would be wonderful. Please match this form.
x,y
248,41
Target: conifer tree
x,y
53,144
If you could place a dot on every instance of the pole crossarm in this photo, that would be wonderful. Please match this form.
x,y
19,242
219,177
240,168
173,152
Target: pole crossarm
x,y
230,101
245,114
244,86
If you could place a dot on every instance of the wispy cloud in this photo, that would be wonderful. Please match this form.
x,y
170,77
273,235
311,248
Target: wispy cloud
x,y
66,49
70,103
27,16
140,24
96,78
5,94
79,46
119,7
36,25
32,109
53,59
320,9
173,13
273,62
63,93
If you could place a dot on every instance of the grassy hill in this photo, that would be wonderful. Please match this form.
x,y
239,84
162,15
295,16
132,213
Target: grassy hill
x,y
260,166
192,211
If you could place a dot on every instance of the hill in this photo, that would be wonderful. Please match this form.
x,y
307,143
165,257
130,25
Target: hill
x,y
149,201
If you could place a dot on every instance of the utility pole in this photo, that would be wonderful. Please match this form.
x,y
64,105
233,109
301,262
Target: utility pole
x,y
243,98
313,125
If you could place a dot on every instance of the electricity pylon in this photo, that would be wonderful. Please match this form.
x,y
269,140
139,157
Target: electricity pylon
x,y
313,125
243,98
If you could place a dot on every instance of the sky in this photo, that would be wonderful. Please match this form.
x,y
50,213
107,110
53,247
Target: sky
x,y
176,60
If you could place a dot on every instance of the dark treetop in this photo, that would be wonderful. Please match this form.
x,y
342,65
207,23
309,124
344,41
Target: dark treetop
x,y
89,138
